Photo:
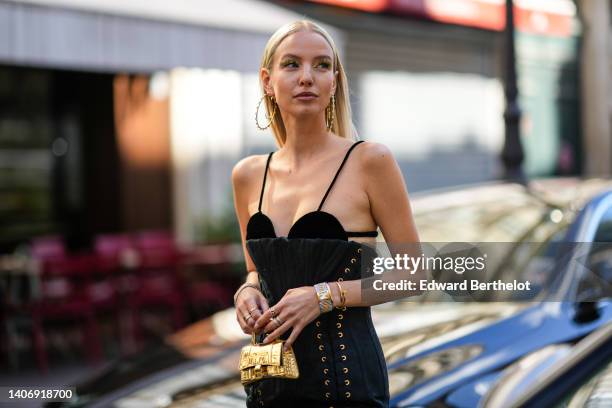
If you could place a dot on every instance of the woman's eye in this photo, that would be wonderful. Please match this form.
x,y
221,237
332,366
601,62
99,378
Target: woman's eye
x,y
293,63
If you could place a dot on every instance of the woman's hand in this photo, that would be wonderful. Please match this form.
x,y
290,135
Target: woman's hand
x,y
296,309
251,302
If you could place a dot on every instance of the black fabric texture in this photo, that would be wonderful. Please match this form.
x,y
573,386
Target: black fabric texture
x,y
356,374
339,355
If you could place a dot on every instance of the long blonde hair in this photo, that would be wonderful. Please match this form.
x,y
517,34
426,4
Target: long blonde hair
x,y
343,124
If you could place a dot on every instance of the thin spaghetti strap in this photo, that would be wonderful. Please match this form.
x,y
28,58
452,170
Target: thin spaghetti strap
x,y
263,185
338,172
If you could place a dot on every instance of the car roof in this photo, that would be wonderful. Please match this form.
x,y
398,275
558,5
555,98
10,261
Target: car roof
x,y
571,192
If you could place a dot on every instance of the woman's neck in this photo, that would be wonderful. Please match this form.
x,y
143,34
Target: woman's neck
x,y
305,139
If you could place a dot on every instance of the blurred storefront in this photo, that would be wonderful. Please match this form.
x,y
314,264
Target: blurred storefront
x,y
59,163
124,116
427,77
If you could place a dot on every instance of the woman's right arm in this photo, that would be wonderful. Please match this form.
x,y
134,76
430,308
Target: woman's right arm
x,y
249,301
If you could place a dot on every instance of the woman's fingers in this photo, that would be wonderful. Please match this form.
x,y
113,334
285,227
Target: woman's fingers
x,y
276,330
251,308
273,324
263,303
247,314
241,321
297,329
264,319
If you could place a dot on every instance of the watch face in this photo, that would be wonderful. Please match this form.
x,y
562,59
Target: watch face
x,y
324,295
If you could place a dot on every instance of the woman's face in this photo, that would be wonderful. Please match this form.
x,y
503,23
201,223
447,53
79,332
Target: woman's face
x,y
302,63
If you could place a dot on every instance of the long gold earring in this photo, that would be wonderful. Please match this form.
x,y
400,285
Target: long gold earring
x,y
330,113
270,118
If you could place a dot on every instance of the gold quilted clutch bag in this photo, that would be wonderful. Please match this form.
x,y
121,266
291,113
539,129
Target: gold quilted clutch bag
x,y
259,361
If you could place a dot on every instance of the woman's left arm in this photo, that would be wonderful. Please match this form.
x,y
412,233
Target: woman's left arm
x,y
388,195
390,208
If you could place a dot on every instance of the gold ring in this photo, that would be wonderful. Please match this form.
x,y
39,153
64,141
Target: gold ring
x,y
277,321
273,312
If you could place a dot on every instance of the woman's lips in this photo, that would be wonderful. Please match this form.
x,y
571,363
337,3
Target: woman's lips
x,y
306,97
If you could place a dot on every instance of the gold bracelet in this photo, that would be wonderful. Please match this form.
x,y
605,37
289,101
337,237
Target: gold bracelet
x,y
342,296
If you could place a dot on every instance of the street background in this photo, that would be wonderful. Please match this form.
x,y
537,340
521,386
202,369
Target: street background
x,y
120,122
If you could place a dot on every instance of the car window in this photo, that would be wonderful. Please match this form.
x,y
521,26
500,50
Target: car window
x,y
520,234
596,283
604,231
534,260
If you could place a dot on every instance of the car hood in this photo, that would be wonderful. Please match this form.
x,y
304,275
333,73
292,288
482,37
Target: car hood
x,y
499,344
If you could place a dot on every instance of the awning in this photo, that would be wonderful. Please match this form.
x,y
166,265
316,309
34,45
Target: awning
x,y
140,35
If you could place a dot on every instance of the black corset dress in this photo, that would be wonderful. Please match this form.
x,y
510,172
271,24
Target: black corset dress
x,y
339,355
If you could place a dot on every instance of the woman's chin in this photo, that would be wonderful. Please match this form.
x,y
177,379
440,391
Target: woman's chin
x,y
307,111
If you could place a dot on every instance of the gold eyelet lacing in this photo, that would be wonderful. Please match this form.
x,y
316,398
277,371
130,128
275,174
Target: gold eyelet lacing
x,y
321,348
340,316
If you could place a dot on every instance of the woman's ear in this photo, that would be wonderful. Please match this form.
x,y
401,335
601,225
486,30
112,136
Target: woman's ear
x,y
265,80
334,86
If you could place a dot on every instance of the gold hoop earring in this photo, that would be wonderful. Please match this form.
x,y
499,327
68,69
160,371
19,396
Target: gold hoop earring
x,y
330,113
270,118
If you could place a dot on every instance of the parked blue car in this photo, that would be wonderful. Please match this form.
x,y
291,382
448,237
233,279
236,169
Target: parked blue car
x,y
572,376
576,303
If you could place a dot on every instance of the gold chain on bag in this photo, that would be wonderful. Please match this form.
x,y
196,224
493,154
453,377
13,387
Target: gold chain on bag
x,y
259,361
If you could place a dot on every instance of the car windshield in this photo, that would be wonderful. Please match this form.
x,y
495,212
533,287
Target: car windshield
x,y
596,281
520,231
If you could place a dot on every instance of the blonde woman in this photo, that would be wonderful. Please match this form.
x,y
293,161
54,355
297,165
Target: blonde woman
x,y
308,214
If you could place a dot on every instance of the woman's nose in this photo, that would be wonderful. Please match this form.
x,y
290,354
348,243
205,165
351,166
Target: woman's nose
x,y
306,77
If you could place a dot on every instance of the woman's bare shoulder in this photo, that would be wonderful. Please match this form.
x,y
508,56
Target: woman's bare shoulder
x,y
249,169
374,157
